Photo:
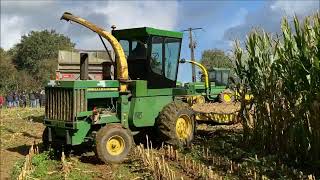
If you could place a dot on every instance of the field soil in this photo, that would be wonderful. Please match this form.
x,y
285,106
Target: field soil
x,y
219,148
19,129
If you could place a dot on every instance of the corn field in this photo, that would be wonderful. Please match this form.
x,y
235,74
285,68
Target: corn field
x,y
283,75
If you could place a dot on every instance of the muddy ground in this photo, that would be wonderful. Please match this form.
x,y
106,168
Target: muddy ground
x,y
219,147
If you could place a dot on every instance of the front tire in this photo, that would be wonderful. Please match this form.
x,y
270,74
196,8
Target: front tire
x,y
45,139
113,143
176,124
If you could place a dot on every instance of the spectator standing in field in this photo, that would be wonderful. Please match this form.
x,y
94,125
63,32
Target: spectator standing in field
x,y
9,100
42,98
32,98
37,96
23,98
15,99
1,101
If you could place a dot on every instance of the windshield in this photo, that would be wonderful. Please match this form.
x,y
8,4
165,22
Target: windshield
x,y
164,56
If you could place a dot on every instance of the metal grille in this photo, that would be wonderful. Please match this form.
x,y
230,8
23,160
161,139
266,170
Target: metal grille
x,y
64,104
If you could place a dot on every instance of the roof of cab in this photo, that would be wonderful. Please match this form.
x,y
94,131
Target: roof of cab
x,y
144,31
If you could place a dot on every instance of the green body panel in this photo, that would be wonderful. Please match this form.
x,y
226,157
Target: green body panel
x,y
145,110
123,110
84,114
139,88
109,118
79,84
92,95
217,90
198,88
82,130
144,32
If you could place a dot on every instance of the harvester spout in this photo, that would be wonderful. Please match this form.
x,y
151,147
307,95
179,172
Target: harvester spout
x,y
204,72
121,62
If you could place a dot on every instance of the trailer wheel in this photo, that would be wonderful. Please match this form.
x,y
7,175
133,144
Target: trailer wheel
x,y
176,124
113,143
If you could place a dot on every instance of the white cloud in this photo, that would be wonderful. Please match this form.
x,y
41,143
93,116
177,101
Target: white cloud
x,y
295,7
128,14
269,17
26,16
10,30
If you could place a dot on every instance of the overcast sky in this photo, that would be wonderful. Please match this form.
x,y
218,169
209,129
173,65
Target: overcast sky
x,y
222,21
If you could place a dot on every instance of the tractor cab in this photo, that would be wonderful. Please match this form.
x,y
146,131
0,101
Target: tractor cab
x,y
152,55
220,76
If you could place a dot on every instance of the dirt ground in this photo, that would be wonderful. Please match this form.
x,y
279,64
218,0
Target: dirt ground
x,y
21,127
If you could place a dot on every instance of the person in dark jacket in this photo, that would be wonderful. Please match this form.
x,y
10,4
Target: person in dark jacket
x,y
9,100
15,99
38,97
32,98
23,98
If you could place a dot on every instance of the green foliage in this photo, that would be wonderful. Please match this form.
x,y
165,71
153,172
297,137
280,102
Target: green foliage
x,y
215,58
17,169
11,78
284,77
39,46
31,63
7,72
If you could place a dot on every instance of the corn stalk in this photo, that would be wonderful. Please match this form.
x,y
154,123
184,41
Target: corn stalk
x,y
283,75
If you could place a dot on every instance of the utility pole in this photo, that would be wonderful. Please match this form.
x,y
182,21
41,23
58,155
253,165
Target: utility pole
x,y
192,46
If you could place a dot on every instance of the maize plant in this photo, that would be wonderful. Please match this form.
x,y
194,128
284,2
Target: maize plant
x,y
283,76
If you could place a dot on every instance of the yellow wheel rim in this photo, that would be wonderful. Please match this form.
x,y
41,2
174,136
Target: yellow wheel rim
x,y
227,97
115,145
184,127
200,100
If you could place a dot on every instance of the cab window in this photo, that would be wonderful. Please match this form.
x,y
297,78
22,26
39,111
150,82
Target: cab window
x,y
125,46
172,49
156,55
139,50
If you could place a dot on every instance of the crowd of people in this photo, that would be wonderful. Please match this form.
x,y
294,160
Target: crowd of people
x,y
14,99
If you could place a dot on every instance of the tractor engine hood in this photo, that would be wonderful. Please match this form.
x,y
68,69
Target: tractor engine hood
x,y
121,61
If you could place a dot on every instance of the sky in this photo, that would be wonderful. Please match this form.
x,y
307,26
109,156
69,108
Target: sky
x,y
222,21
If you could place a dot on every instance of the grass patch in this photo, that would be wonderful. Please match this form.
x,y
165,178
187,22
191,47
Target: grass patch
x,y
16,169
45,166
80,170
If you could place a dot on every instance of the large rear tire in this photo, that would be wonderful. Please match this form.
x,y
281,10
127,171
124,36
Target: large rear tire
x,y
175,124
113,143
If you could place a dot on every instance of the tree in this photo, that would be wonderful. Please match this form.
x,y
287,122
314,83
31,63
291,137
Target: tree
x,y
39,46
7,72
215,58
12,79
